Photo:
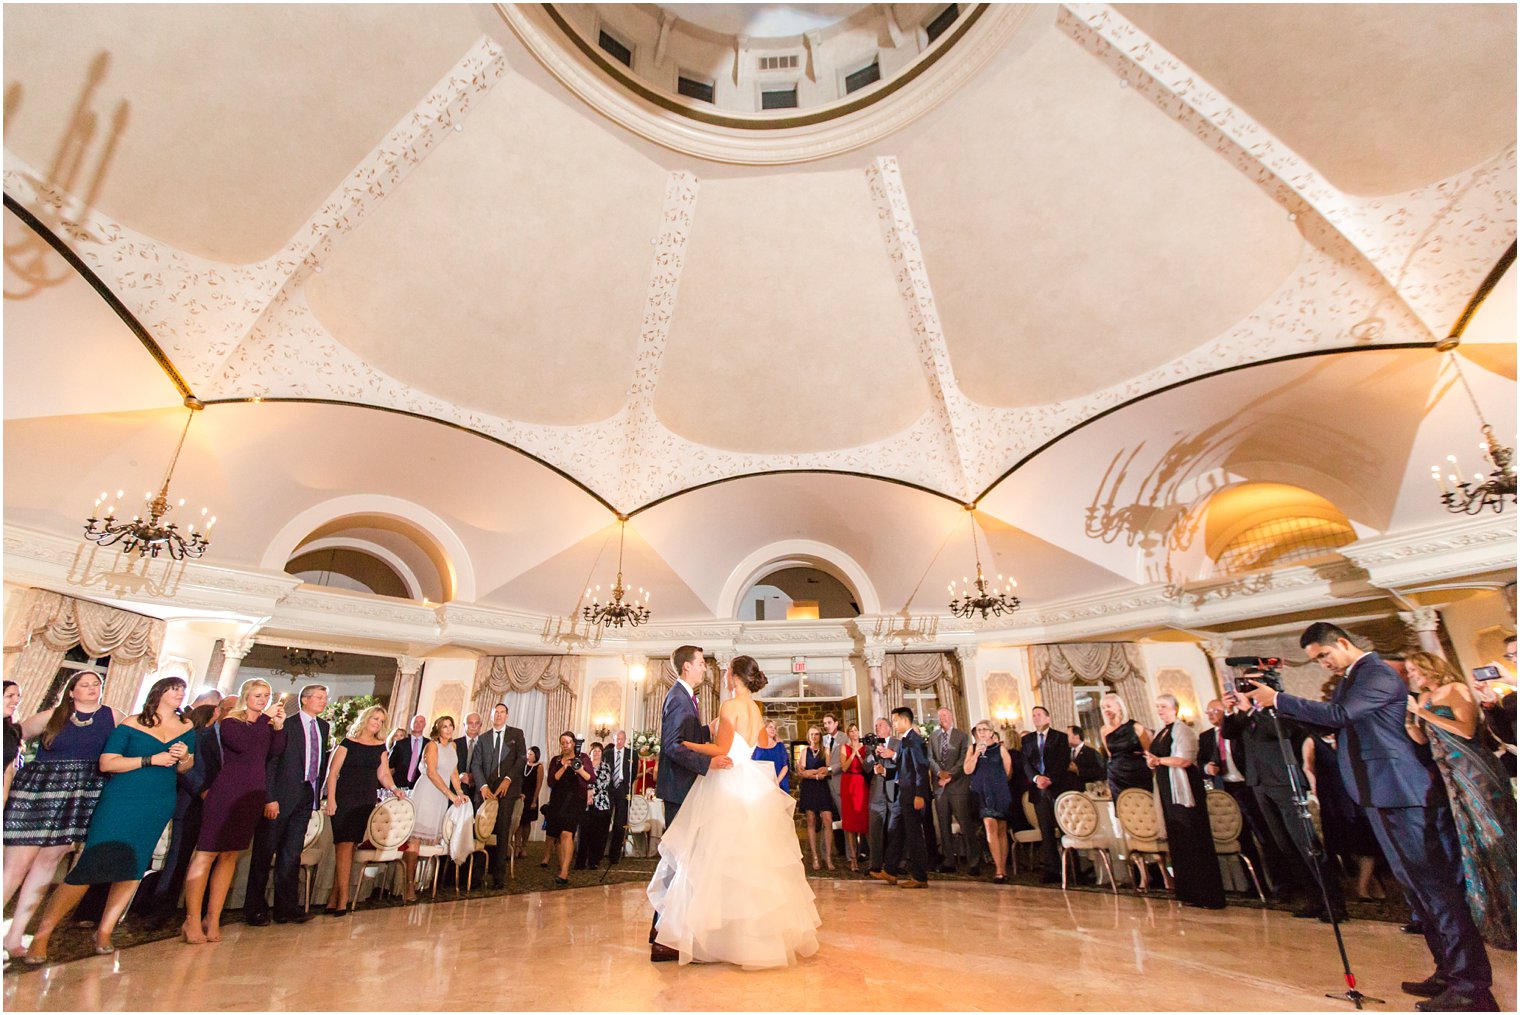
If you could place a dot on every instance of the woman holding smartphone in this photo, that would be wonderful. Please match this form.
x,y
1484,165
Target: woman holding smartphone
x,y
990,767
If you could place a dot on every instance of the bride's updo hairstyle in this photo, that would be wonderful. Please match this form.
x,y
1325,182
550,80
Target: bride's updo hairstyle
x,y
748,673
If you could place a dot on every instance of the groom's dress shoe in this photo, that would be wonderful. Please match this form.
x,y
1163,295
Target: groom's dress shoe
x,y
884,876
660,953
911,883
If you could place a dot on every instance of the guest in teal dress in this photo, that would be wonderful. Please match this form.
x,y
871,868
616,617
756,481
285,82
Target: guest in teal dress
x,y
141,760
775,754
1449,719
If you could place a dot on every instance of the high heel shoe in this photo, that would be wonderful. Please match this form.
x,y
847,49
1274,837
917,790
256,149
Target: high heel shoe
x,y
815,864
213,935
829,864
184,934
105,949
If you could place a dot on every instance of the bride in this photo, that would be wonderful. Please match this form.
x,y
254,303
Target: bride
x,y
730,885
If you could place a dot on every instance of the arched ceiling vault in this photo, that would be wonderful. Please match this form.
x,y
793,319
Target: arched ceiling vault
x,y
1106,237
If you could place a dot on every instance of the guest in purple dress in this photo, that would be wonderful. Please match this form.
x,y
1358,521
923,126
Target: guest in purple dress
x,y
233,805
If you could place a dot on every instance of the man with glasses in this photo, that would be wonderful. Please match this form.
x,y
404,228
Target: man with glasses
x,y
1406,802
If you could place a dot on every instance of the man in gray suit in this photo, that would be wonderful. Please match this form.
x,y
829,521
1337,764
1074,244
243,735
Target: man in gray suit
x,y
834,741
952,793
883,795
497,769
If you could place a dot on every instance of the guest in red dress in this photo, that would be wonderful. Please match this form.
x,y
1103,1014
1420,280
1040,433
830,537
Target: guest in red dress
x,y
854,800
238,797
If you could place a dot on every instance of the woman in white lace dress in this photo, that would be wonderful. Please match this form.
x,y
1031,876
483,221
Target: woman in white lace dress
x,y
436,791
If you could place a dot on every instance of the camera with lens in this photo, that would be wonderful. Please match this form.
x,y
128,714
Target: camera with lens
x,y
871,741
575,765
1263,671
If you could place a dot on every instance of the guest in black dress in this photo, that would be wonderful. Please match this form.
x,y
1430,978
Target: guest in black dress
x,y
1179,787
12,735
1125,741
570,775
1348,833
815,799
354,776
532,783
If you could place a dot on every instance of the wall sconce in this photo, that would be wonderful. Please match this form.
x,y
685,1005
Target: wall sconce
x,y
636,673
1006,715
603,726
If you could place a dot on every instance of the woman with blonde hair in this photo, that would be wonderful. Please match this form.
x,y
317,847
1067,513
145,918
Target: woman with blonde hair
x,y
1448,717
815,799
233,804
1125,742
354,776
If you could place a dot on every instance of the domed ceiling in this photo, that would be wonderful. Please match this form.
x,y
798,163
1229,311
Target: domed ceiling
x,y
395,254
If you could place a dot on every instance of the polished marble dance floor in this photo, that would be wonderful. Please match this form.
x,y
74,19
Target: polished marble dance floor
x,y
956,946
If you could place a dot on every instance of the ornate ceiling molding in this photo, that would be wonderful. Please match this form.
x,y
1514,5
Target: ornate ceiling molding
x,y
579,72
1476,209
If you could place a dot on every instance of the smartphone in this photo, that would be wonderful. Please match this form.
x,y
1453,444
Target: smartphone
x,y
1487,673
1229,684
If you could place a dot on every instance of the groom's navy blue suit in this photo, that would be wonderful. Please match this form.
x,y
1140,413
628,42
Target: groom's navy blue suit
x,y
1405,800
679,764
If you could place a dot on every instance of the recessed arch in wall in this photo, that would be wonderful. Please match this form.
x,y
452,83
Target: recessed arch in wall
x,y
449,573
797,553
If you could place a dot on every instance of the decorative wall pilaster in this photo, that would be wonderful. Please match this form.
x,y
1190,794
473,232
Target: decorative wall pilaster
x,y
234,649
1425,622
405,693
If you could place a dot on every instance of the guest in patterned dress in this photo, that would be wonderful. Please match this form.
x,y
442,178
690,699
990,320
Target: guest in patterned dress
x,y
52,799
233,805
1447,717
12,736
597,821
142,757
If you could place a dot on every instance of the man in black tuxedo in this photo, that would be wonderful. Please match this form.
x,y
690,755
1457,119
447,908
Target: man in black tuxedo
x,y
1047,762
294,780
1086,764
913,795
465,746
618,756
406,754
500,759
1266,773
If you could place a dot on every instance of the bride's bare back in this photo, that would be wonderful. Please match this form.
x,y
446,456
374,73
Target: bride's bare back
x,y
742,715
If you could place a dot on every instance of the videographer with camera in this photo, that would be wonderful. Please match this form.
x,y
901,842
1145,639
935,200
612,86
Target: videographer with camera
x,y
1293,851
882,746
570,773
1406,802
907,833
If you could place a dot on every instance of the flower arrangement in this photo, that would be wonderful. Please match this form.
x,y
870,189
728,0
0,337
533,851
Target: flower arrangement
x,y
342,714
646,743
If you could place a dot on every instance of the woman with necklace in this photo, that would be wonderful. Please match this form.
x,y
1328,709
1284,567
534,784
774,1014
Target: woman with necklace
x,y
53,798
143,757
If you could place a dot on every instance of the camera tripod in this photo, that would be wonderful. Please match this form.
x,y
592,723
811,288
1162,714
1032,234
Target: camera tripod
x,y
1317,854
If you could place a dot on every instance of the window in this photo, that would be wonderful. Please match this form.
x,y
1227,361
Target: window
x,y
942,21
694,88
869,74
620,52
779,99
778,62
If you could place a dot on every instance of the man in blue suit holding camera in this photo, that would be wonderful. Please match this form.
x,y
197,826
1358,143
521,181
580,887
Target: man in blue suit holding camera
x,y
1406,803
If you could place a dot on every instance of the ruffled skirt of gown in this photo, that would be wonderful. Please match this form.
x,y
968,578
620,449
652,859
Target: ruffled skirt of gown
x,y
730,886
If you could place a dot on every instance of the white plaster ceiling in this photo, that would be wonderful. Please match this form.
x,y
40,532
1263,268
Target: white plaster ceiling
x,y
1044,246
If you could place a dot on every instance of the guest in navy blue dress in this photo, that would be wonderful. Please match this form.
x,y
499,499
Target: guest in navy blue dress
x,y
816,800
990,765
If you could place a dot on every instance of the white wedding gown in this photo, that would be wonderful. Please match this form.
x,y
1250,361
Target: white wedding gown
x,y
730,886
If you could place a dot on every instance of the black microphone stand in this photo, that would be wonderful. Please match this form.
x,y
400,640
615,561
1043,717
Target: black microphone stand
x,y
1317,853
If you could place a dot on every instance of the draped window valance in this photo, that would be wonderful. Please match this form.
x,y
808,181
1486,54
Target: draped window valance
x,y
1115,663
917,670
56,623
558,677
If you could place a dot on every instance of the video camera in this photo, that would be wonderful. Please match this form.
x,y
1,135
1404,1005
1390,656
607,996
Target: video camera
x,y
871,741
1259,670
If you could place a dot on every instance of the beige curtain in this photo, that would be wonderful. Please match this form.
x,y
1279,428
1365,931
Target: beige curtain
x,y
559,677
1116,663
656,687
55,623
904,670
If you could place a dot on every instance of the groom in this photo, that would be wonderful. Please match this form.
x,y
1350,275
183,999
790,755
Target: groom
x,y
680,719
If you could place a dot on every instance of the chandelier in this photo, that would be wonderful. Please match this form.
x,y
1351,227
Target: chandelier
x,y
1491,491
149,536
305,663
615,611
975,597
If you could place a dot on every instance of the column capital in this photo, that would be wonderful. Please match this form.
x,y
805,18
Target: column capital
x,y
1217,646
874,656
966,654
1422,619
723,657
408,666
237,646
